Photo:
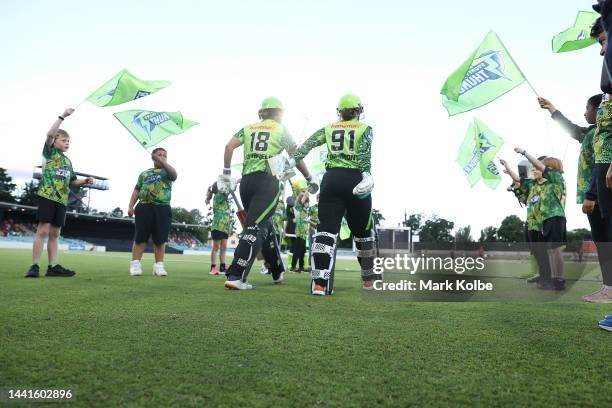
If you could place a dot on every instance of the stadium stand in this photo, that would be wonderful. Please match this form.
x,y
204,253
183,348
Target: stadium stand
x,y
116,234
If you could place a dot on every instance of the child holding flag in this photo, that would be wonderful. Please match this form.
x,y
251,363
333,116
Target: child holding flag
x,y
548,173
220,228
153,214
301,232
53,191
528,192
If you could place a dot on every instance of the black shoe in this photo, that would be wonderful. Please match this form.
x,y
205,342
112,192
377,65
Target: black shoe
x,y
222,268
59,270
545,285
558,283
33,272
533,279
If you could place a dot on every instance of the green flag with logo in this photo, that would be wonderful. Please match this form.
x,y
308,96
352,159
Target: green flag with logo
x,y
124,87
578,36
345,231
477,153
149,128
487,74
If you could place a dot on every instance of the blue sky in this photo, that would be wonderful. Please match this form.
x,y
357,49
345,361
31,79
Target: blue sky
x,y
223,58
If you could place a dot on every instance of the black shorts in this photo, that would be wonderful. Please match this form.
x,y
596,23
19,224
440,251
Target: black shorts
x,y
217,235
51,212
259,192
152,220
604,194
555,232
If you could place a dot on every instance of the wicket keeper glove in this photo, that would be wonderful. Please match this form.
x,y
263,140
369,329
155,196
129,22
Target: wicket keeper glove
x,y
226,183
313,187
365,187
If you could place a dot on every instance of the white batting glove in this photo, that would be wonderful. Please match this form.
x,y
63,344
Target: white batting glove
x,y
226,183
365,187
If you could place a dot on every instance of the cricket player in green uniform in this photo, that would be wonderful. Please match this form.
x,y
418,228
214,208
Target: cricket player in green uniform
x,y
259,191
221,227
345,188
53,190
153,215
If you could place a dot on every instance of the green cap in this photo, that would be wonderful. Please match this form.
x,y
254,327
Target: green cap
x,y
271,103
349,101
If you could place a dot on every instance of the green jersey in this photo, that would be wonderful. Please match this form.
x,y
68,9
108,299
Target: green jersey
x,y
154,187
278,217
313,214
222,213
301,221
529,193
602,139
349,145
552,201
261,141
585,166
57,174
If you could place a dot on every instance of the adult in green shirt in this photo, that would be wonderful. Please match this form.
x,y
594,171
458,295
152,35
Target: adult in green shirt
x,y
586,194
259,191
53,191
345,187
153,215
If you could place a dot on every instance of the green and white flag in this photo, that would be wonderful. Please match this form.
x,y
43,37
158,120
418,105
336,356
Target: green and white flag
x,y
487,74
150,128
578,36
124,87
477,153
345,231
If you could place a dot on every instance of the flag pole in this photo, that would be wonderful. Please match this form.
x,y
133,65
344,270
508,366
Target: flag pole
x,y
80,103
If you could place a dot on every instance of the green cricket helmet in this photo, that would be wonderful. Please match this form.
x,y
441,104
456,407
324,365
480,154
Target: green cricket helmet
x,y
349,101
271,103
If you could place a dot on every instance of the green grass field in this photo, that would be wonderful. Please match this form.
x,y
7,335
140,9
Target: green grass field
x,y
185,341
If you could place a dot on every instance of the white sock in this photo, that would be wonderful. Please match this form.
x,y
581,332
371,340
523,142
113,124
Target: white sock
x,y
607,287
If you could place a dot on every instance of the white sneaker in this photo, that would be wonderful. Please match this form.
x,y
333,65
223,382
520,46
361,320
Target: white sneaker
x,y
280,279
238,285
135,268
264,269
158,269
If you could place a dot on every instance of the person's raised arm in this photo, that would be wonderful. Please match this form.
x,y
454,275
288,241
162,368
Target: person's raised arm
x,y
575,131
536,163
515,177
56,125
